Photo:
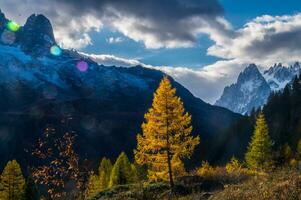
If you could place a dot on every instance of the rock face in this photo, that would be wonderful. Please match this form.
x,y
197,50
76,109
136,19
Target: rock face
x,y
250,91
3,21
278,75
36,36
105,105
252,88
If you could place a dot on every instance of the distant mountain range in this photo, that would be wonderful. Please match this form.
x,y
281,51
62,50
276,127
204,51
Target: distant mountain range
x,y
253,88
41,84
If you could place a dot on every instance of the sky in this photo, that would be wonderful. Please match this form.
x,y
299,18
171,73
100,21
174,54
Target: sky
x,y
203,44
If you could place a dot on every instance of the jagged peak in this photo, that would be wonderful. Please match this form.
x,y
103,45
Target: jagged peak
x,y
3,19
37,34
251,71
38,22
251,68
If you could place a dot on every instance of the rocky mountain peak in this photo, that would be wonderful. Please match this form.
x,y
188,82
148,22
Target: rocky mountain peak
x,y
278,75
37,35
3,21
251,90
250,72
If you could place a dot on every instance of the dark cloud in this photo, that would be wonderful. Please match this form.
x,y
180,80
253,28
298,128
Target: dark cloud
x,y
156,23
273,42
162,9
165,20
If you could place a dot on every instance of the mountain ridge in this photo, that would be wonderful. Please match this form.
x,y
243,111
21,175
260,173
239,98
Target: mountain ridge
x,y
252,88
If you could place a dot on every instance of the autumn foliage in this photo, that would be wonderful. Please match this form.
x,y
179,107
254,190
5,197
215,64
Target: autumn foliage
x,y
166,136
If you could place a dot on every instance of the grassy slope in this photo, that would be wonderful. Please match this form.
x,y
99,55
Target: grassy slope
x,y
282,184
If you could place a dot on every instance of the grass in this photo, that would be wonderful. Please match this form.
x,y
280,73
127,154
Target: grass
x,y
280,184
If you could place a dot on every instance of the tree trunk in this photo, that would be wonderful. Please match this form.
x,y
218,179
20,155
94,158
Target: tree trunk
x,y
171,183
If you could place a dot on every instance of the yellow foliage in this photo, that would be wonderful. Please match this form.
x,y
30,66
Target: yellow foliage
x,y
206,170
234,166
293,163
166,135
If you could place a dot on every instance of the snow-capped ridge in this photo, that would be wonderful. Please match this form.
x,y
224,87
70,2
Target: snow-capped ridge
x,y
250,90
253,88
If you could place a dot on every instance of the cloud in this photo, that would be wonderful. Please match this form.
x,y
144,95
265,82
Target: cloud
x,y
264,40
114,40
111,60
71,31
155,23
204,83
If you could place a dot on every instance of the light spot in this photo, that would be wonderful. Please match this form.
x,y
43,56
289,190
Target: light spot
x,y
8,37
12,26
82,66
55,50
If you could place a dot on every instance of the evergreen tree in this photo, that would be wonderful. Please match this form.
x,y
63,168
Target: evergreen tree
x,y
104,172
93,186
259,154
166,138
12,182
31,191
122,172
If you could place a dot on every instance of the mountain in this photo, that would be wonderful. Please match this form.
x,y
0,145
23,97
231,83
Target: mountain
x,y
253,88
278,75
103,105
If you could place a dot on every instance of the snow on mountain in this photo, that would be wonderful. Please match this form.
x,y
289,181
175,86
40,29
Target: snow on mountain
x,y
253,88
250,90
278,76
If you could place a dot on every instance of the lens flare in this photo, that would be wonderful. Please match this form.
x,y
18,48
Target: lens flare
x,y
8,37
82,66
12,26
55,50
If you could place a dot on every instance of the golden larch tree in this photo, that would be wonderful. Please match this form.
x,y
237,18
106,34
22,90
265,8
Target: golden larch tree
x,y
166,136
12,182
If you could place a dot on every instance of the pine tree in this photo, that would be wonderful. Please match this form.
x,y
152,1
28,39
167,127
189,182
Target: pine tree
x,y
104,172
93,186
31,191
12,182
259,153
122,172
166,138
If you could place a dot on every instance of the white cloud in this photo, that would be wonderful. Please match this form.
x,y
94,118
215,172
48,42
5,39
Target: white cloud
x,y
114,40
76,33
264,40
111,60
70,30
